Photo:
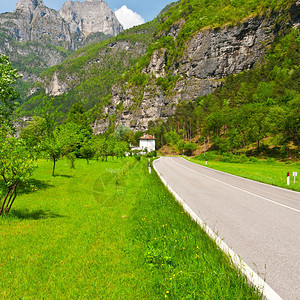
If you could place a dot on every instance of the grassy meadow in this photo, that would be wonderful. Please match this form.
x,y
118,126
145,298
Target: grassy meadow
x,y
108,230
274,173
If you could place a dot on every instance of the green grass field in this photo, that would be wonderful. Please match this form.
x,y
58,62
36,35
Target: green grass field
x,y
109,230
275,173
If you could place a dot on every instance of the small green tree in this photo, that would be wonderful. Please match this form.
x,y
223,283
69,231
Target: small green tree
x,y
51,144
87,151
71,138
16,162
34,133
120,149
101,148
8,95
16,166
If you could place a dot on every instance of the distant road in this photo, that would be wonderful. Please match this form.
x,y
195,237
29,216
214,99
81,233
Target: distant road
x,y
261,223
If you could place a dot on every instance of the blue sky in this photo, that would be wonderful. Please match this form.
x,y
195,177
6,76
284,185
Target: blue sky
x,y
148,9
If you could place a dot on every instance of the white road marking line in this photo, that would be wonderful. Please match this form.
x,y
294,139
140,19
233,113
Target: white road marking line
x,y
250,193
257,281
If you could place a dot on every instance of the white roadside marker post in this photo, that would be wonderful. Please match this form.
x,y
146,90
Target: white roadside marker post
x,y
288,179
295,175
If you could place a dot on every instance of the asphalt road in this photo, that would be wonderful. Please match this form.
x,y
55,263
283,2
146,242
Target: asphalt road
x,y
259,222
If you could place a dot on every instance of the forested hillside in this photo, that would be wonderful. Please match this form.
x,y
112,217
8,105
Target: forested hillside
x,y
222,71
89,73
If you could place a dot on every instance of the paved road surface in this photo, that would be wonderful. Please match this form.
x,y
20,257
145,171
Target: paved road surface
x,y
259,222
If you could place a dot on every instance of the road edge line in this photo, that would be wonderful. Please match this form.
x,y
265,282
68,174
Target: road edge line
x,y
252,276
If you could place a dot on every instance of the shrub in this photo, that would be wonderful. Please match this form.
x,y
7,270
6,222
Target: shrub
x,y
270,160
253,159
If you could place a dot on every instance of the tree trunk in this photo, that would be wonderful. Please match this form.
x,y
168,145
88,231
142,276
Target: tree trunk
x,y
54,161
11,201
4,201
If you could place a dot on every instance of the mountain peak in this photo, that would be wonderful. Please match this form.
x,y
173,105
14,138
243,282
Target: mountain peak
x,y
94,1
28,5
90,16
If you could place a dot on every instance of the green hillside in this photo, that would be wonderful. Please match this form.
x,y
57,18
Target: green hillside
x,y
91,71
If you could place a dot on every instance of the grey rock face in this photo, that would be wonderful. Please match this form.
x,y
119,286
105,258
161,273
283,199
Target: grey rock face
x,y
157,63
33,21
89,17
219,52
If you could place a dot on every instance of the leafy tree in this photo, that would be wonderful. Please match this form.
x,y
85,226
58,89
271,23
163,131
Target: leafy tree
x,y
120,149
16,162
51,144
123,133
87,151
8,95
16,166
101,148
171,138
189,148
292,124
111,142
70,137
78,115
34,132
158,129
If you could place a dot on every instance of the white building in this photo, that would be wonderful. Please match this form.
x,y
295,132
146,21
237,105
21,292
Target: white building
x,y
147,142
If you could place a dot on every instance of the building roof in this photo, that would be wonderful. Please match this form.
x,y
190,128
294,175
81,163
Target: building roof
x,y
147,137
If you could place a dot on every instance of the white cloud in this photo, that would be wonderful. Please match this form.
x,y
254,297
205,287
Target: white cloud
x,y
128,18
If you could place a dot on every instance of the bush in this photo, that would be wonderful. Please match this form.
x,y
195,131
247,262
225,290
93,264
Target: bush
x,y
211,155
253,159
270,160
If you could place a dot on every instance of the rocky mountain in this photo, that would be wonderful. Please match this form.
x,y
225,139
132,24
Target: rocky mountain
x,y
36,37
89,17
209,56
189,52
88,74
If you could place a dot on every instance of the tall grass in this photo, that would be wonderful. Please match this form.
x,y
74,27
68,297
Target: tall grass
x,y
109,230
268,171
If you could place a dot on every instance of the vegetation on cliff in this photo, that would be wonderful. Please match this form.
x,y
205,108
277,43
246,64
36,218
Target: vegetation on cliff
x,y
249,107
91,71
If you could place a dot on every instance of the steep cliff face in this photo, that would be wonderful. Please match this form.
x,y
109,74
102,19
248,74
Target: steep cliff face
x,y
33,21
89,17
209,56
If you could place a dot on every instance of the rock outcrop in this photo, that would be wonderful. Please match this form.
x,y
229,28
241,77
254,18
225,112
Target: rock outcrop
x,y
89,17
33,21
